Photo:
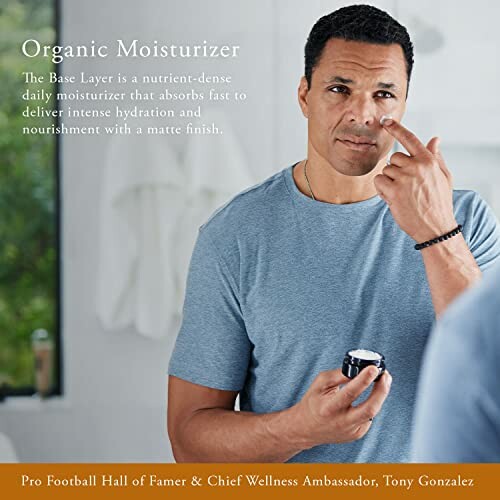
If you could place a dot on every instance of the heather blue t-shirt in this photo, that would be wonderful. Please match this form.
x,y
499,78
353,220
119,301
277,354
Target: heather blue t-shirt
x,y
458,401
280,286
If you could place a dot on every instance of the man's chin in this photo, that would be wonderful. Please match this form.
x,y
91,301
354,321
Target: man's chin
x,y
353,163
354,169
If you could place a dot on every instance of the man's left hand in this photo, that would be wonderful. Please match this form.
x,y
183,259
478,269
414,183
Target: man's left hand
x,y
417,186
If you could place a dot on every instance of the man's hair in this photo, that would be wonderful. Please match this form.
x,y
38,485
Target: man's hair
x,y
361,23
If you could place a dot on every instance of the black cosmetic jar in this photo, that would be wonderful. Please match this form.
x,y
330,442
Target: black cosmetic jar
x,y
357,359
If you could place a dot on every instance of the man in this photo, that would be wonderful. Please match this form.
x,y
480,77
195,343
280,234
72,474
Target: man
x,y
458,404
320,259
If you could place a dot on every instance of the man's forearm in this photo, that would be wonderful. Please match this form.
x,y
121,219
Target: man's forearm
x,y
451,269
220,435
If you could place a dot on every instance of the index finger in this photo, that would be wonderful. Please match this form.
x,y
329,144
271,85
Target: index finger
x,y
404,136
329,379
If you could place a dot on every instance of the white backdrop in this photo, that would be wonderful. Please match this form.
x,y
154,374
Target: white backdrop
x,y
114,408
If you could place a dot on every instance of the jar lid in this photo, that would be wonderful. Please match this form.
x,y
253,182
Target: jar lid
x,y
360,357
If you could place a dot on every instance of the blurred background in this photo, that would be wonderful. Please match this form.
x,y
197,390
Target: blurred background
x,y
96,231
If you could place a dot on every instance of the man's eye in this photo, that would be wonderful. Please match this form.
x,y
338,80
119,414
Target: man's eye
x,y
338,87
386,95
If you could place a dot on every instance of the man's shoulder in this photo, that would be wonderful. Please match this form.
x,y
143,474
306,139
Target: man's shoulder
x,y
465,196
249,205
469,203
469,326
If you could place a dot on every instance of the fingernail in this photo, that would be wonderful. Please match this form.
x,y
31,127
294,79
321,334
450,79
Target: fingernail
x,y
386,120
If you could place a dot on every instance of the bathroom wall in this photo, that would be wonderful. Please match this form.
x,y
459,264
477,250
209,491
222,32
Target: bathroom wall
x,y
114,405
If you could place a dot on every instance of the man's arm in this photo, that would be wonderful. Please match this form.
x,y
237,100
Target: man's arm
x,y
451,269
203,426
418,189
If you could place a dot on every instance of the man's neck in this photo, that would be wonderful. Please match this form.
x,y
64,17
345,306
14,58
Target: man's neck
x,y
330,186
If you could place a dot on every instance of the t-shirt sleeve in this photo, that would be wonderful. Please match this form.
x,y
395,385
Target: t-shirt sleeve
x,y
484,237
212,347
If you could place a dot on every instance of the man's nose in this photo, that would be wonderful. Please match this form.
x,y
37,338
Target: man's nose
x,y
361,110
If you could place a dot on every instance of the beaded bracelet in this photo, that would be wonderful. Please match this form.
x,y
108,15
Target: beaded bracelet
x,y
443,237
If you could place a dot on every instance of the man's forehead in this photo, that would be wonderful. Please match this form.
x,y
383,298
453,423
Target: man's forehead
x,y
346,54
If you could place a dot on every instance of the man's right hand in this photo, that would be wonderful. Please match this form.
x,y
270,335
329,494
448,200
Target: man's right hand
x,y
326,415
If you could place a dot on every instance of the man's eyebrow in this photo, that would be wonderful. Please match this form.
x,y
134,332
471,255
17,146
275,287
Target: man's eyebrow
x,y
339,79
381,85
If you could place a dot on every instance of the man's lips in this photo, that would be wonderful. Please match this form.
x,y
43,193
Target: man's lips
x,y
357,139
360,144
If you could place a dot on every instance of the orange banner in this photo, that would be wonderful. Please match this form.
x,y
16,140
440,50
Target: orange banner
x,y
172,481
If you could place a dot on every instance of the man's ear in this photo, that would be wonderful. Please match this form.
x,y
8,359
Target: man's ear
x,y
302,96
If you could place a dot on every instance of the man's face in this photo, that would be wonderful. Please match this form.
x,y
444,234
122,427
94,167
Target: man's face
x,y
352,86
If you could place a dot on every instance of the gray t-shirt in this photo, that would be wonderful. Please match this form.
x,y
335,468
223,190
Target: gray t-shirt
x,y
457,418
280,286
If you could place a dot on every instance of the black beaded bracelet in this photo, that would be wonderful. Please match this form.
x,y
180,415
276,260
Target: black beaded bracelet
x,y
443,237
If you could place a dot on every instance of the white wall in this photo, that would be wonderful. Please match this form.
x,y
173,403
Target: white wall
x,y
115,403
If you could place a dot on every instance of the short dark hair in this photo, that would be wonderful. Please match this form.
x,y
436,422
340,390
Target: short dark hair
x,y
361,23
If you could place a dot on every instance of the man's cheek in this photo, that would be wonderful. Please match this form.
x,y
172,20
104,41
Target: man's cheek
x,y
386,148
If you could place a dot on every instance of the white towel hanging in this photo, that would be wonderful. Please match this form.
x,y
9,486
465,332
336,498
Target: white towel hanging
x,y
141,206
